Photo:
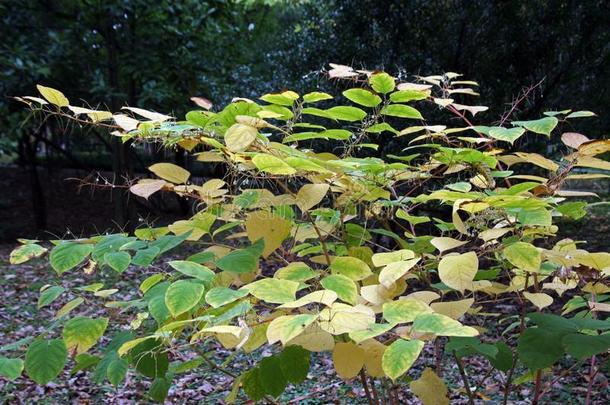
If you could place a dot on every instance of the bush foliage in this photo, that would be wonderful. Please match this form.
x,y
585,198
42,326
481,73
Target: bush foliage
x,y
306,245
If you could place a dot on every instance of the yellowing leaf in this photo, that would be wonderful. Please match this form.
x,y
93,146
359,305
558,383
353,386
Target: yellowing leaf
x,y
170,172
342,318
400,356
458,271
350,267
523,256
541,300
239,136
310,195
272,164
430,389
394,271
326,297
444,243
268,226
53,96
404,311
382,259
314,339
286,328
348,359
273,290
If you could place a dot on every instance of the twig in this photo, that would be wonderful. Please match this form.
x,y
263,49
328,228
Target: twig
x,y
464,379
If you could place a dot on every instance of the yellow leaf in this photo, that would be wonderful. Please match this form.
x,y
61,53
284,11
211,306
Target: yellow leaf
x,y
53,96
443,243
373,353
342,318
453,309
348,359
314,339
310,195
272,228
430,389
170,172
541,300
239,136
455,217
458,271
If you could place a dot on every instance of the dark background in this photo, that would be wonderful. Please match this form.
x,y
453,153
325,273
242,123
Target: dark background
x,y
158,54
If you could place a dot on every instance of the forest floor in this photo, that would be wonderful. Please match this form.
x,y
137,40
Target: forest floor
x,y
19,318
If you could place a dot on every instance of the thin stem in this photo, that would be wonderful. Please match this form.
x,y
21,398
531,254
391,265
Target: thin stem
x,y
464,379
537,387
367,392
592,374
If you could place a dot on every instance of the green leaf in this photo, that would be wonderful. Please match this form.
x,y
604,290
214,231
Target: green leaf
x,y
345,287
155,298
506,134
83,362
26,252
542,126
238,261
503,360
81,333
583,346
523,256
539,348
402,111
574,209
581,114
403,311
117,370
10,368
363,97
151,281
400,356
316,96
50,294
68,255
296,271
350,267
69,307
239,137
45,359
193,269
345,113
183,295
219,296
279,99
382,82
118,261
271,376
53,96
252,384
381,127
150,358
442,325
295,362
403,96
273,290
272,164
145,257
159,388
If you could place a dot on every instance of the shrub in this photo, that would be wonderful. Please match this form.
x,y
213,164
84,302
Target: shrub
x,y
305,247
